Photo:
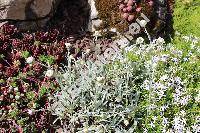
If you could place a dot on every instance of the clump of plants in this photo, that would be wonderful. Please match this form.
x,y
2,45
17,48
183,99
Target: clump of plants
x,y
94,98
28,65
131,9
121,14
25,60
146,88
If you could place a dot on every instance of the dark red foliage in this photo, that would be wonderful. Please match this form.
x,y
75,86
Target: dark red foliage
x,y
18,78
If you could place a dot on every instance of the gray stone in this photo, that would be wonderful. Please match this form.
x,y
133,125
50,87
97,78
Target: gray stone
x,y
34,14
27,13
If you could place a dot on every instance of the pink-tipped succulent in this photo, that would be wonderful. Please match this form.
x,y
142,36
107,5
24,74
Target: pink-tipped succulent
x,y
133,8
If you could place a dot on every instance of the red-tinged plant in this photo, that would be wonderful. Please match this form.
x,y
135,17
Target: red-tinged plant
x,y
24,85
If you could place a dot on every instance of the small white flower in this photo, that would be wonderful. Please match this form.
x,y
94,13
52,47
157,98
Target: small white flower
x,y
17,97
155,59
126,122
29,111
186,38
10,89
160,40
164,77
100,79
146,85
85,130
30,60
49,73
193,46
184,100
179,124
163,108
183,113
68,45
165,121
118,99
82,62
11,96
87,51
185,59
196,128
139,40
164,57
71,57
154,118
125,60
129,49
143,23
177,33
97,34
113,30
152,125
178,80
175,60
16,89
194,41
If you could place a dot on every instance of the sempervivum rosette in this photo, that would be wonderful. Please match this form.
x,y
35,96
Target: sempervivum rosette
x,y
131,9
122,13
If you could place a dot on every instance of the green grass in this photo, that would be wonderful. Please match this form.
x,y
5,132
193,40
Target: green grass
x,y
187,17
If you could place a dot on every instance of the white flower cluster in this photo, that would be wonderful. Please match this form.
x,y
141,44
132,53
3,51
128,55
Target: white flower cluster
x,y
180,96
147,79
179,123
30,60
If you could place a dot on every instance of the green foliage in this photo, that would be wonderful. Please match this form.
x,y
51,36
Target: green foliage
x,y
25,54
186,17
151,86
43,90
47,59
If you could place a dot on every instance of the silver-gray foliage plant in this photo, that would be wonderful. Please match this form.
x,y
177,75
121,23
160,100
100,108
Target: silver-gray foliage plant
x,y
98,98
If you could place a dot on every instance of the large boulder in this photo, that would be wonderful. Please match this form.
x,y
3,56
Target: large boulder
x,y
27,14
69,15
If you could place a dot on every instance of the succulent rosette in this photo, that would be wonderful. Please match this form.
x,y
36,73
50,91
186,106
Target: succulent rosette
x,y
131,9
